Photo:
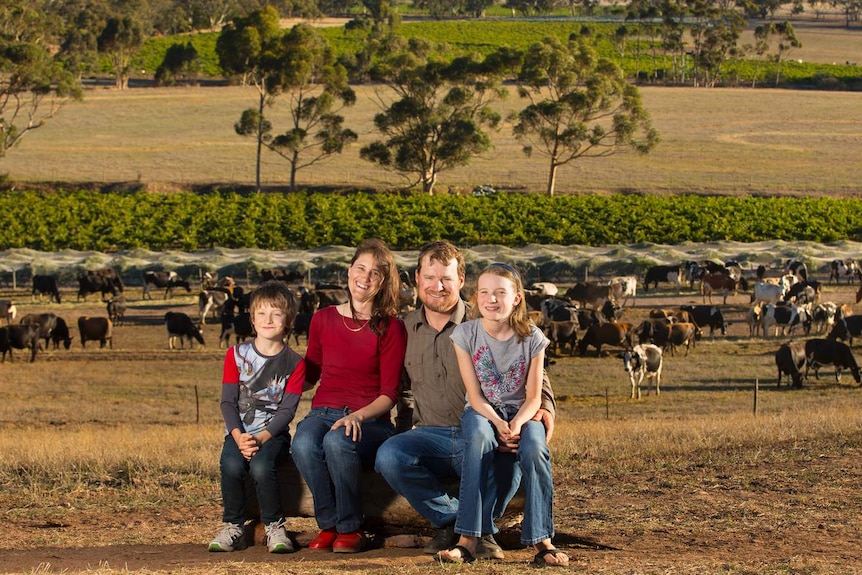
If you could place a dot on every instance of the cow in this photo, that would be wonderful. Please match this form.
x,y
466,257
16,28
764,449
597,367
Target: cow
x,y
683,334
653,330
796,268
116,309
785,318
51,327
611,333
706,316
641,361
803,292
213,300
300,326
43,284
280,274
238,325
96,329
543,289
589,293
103,281
180,326
561,333
610,311
789,359
846,328
164,279
623,288
330,296
8,311
847,268
661,273
820,352
19,336
823,316
721,284
753,317
553,309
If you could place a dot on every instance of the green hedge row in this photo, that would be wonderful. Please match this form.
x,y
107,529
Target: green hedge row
x,y
110,221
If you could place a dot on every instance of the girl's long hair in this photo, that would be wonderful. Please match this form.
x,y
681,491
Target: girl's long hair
x,y
519,320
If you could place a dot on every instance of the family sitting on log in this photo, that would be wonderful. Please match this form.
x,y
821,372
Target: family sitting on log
x,y
366,360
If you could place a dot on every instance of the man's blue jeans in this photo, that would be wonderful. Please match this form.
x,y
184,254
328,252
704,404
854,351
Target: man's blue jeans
x,y
415,464
331,464
235,470
480,487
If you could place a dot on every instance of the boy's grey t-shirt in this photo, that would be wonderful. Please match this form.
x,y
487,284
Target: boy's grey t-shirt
x,y
501,366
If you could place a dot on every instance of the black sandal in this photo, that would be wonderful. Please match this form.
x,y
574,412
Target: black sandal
x,y
466,556
539,559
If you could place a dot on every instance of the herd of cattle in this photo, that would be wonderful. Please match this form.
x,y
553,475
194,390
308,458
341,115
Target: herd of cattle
x,y
587,315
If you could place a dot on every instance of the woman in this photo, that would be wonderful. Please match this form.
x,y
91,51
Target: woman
x,y
356,350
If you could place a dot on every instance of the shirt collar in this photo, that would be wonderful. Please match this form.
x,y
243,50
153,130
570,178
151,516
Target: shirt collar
x,y
416,318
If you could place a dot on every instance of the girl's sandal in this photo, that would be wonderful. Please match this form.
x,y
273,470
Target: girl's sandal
x,y
539,559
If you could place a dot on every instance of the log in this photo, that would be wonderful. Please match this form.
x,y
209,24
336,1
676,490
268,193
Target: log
x,y
382,506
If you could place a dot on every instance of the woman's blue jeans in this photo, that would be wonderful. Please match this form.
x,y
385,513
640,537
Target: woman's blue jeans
x,y
331,464
478,494
235,471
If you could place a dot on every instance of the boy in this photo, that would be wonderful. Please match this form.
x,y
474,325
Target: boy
x,y
261,387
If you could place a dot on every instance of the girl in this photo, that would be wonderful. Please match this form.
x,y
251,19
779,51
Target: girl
x,y
501,356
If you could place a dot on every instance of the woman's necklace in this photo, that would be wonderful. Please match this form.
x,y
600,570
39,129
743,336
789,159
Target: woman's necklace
x,y
353,329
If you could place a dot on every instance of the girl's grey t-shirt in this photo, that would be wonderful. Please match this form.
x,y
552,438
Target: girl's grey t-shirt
x,y
501,366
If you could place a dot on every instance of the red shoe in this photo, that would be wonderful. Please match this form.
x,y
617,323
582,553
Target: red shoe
x,y
324,540
349,542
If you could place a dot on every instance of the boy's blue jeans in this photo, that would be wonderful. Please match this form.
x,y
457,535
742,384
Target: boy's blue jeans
x,y
235,470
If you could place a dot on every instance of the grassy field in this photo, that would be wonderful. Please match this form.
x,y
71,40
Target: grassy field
x,y
110,461
713,141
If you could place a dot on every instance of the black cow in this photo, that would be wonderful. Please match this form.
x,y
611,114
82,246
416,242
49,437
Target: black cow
x,y
46,285
561,333
846,328
96,329
51,327
166,280
657,274
789,360
19,336
820,352
706,316
238,325
180,326
300,326
104,281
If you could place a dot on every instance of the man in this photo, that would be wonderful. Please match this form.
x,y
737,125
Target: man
x,y
418,461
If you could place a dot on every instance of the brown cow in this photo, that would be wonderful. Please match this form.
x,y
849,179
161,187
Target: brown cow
x,y
721,284
611,333
683,334
96,329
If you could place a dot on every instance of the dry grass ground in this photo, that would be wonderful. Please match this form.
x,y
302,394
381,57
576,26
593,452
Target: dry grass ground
x,y
110,461
713,141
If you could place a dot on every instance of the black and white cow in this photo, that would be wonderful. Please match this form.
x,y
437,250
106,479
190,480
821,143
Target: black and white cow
x,y
181,327
846,327
44,284
785,318
796,268
643,361
661,273
706,316
8,311
213,301
164,279
844,268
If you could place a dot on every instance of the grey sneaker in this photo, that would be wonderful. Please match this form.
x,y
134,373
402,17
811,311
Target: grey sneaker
x,y
488,548
277,540
444,538
230,539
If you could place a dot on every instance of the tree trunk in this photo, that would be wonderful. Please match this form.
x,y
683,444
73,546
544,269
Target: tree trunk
x,y
552,178
260,107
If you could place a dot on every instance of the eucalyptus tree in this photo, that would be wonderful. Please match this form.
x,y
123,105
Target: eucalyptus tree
x,y
580,105
34,84
120,40
440,114
249,47
787,40
315,90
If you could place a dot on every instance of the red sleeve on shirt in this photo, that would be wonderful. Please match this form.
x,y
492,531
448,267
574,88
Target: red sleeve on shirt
x,y
296,379
230,373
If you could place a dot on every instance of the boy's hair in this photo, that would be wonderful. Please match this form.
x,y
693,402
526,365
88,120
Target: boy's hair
x,y
278,295
519,320
443,252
